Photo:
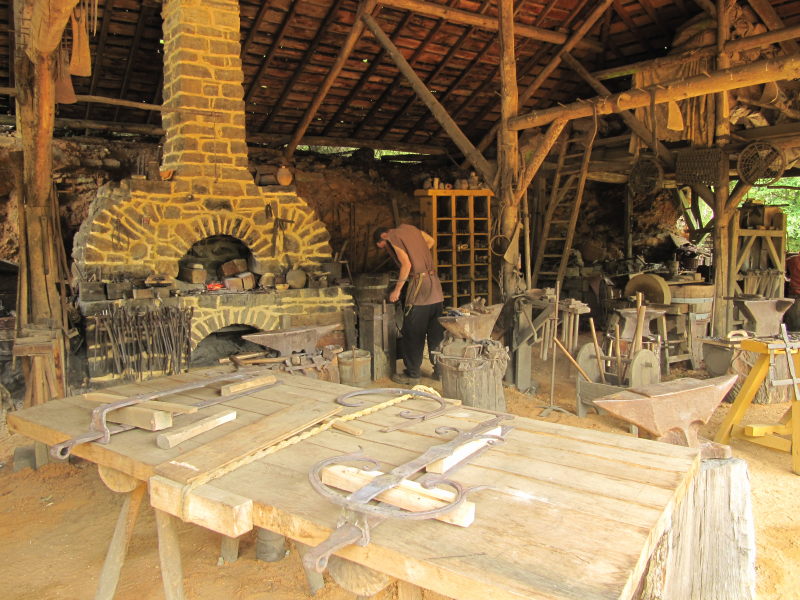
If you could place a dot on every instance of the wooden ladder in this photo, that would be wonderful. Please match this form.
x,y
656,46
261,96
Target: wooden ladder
x,y
561,215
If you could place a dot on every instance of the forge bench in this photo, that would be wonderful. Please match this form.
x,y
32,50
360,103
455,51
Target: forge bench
x,y
570,513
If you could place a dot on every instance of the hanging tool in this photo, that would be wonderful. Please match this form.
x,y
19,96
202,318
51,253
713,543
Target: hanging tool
x,y
359,517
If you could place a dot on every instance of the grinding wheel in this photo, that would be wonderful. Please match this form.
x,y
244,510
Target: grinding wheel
x,y
654,289
643,369
587,359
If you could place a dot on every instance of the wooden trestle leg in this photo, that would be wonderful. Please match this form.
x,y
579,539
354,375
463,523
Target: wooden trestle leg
x,y
109,576
169,553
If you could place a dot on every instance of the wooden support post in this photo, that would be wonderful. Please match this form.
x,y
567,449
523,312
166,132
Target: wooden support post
x,y
551,66
169,554
438,111
534,163
722,127
364,8
228,550
636,126
721,256
775,69
508,145
109,576
270,546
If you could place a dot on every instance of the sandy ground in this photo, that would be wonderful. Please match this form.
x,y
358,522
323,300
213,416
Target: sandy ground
x,y
55,524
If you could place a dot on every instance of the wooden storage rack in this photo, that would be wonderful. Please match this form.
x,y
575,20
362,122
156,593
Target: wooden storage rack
x,y
461,223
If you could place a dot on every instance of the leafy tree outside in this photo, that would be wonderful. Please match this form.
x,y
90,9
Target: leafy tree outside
x,y
785,193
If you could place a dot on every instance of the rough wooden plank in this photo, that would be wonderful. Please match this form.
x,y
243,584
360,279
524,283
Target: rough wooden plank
x,y
169,553
172,438
234,449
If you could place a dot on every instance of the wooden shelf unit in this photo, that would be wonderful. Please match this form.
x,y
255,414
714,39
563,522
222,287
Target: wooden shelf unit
x,y
461,223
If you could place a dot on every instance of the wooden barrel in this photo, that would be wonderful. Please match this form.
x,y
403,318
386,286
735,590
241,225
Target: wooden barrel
x,y
699,296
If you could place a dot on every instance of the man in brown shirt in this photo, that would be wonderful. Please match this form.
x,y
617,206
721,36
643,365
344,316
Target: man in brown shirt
x,y
411,250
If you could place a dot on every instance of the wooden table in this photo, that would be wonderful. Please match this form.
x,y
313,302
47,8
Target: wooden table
x,y
571,513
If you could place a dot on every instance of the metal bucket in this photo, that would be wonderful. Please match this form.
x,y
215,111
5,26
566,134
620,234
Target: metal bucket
x,y
355,367
475,381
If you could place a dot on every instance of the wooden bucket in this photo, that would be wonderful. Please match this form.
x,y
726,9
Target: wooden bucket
x,y
699,297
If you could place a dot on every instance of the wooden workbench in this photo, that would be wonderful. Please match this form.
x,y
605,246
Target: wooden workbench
x,y
571,514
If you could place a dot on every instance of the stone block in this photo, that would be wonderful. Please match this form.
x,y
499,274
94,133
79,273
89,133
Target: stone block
x,y
234,284
224,47
192,274
248,280
228,75
91,291
139,293
194,70
195,42
233,267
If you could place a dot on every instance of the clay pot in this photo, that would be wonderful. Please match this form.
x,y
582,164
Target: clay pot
x,y
283,175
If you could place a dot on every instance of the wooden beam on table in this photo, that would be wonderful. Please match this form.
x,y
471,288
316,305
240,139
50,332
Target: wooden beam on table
x,y
545,73
298,71
364,8
450,126
636,126
455,15
775,69
731,46
766,12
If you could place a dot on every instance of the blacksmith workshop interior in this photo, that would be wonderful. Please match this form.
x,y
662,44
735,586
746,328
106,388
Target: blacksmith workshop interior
x,y
400,299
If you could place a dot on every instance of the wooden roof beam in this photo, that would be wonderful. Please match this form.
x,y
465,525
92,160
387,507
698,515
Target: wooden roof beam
x,y
11,49
545,73
450,126
767,14
636,126
134,48
365,77
364,8
455,15
108,9
620,10
298,72
274,47
739,45
776,69
389,91
440,67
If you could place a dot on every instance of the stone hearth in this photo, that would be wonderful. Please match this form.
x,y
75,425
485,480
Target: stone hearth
x,y
142,227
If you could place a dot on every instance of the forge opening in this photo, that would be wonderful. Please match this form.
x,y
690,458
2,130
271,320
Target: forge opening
x,y
222,343
203,262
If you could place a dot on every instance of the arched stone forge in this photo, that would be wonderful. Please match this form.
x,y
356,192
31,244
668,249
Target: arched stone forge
x,y
142,227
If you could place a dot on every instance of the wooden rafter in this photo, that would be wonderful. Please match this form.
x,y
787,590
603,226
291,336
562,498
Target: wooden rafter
x,y
455,15
418,126
647,6
255,26
739,45
132,51
529,65
636,126
626,18
298,72
388,94
776,69
551,66
767,14
108,9
11,49
366,76
430,101
157,95
364,8
277,40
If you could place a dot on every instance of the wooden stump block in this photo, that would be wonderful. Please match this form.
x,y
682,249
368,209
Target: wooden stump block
x,y
709,549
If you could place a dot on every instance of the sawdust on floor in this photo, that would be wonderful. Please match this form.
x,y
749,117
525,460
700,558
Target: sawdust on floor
x,y
55,524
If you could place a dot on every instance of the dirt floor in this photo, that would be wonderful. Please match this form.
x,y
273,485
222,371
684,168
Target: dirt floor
x,y
55,524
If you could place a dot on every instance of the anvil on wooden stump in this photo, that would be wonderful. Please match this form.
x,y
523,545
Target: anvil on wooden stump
x,y
673,411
